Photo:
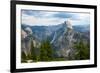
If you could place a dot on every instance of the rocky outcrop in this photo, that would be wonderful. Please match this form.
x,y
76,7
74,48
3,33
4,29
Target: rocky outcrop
x,y
27,39
64,43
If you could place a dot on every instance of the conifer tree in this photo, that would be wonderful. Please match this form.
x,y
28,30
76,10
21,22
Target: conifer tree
x,y
46,52
33,52
83,51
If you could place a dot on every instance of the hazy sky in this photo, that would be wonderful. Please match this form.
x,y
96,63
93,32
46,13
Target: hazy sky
x,y
45,18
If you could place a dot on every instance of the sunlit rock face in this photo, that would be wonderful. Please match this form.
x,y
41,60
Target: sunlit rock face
x,y
69,24
67,40
27,38
23,34
28,30
64,42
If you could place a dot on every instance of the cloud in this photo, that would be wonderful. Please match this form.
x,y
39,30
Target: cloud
x,y
31,17
63,15
81,19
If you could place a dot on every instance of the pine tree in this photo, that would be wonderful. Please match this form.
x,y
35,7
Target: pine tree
x,y
49,50
46,52
83,51
23,57
33,53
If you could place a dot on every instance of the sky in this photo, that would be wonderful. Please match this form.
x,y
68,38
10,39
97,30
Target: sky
x,y
46,18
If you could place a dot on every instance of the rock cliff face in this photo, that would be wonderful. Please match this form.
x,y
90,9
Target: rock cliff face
x,y
64,44
27,39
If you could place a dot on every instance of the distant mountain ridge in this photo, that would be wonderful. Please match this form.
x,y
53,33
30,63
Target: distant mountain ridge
x,y
42,32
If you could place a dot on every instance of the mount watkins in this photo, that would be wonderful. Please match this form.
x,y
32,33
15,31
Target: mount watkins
x,y
64,39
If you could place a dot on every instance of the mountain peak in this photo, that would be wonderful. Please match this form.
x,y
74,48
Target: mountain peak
x,y
69,24
28,30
